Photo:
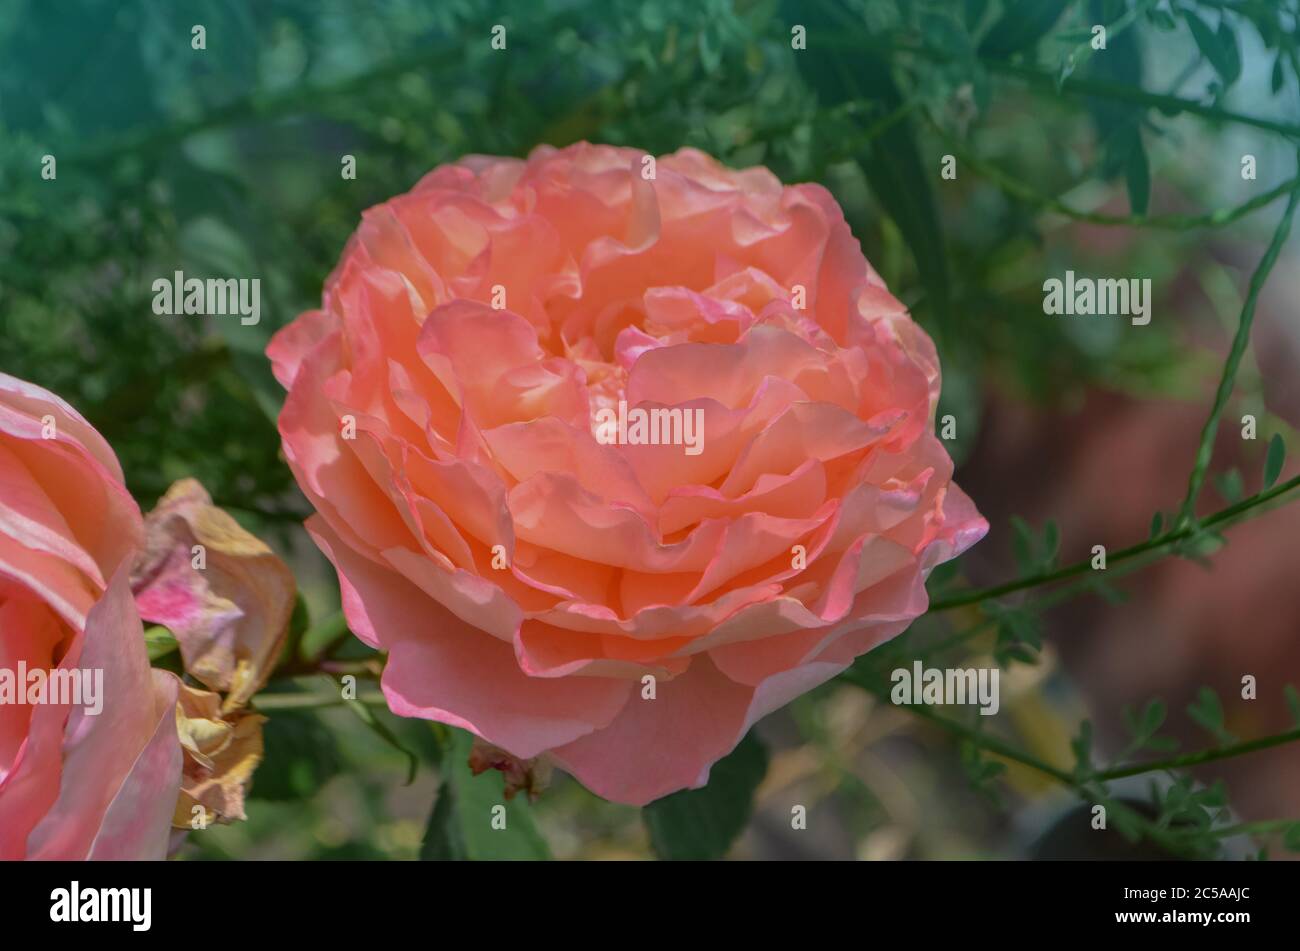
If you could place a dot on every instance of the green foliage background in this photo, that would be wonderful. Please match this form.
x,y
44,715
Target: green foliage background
x,y
226,162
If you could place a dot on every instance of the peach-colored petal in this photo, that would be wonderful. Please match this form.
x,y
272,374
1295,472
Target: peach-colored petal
x,y
291,344
74,783
102,752
525,574
655,747
137,823
461,676
33,735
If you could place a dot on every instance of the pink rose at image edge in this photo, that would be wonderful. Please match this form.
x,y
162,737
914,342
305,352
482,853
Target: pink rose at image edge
x,y
472,437
75,785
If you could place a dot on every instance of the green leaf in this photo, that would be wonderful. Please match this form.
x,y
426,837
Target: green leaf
x,y
1231,52
158,642
443,840
1082,747
1019,636
1157,524
1153,716
1278,76
1051,542
1144,727
1064,70
1126,820
1273,462
1104,589
946,34
973,12
892,162
1117,122
1024,23
1034,554
321,635
1162,744
702,823
1201,546
299,622
1073,37
1024,544
461,825
1230,486
1214,796
370,717
902,185
982,771
1207,712
1137,175
1162,19
1291,838
1219,47
301,755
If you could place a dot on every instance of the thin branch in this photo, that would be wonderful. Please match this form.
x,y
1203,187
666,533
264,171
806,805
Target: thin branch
x,y
257,107
1220,519
1079,784
990,743
1084,50
1077,86
1201,756
1239,343
1262,827
1107,89
1017,189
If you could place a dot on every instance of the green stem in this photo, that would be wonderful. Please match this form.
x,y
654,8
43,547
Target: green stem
x,y
258,106
1016,189
858,142
1222,518
1239,343
1107,89
1080,785
1074,86
1262,827
990,743
322,639
1083,52
1200,757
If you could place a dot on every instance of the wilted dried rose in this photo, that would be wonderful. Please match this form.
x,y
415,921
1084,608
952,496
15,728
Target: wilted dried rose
x,y
530,775
221,752
222,592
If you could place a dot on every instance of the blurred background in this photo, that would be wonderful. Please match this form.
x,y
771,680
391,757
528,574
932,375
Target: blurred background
x,y
225,161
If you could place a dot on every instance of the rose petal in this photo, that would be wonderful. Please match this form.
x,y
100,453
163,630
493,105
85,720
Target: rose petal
x,y
230,617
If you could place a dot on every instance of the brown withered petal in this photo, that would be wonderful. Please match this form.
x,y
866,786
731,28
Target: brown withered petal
x,y
229,616
221,751
530,775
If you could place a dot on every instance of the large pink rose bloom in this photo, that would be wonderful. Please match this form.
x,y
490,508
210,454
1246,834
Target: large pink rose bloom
x,y
76,781
524,573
